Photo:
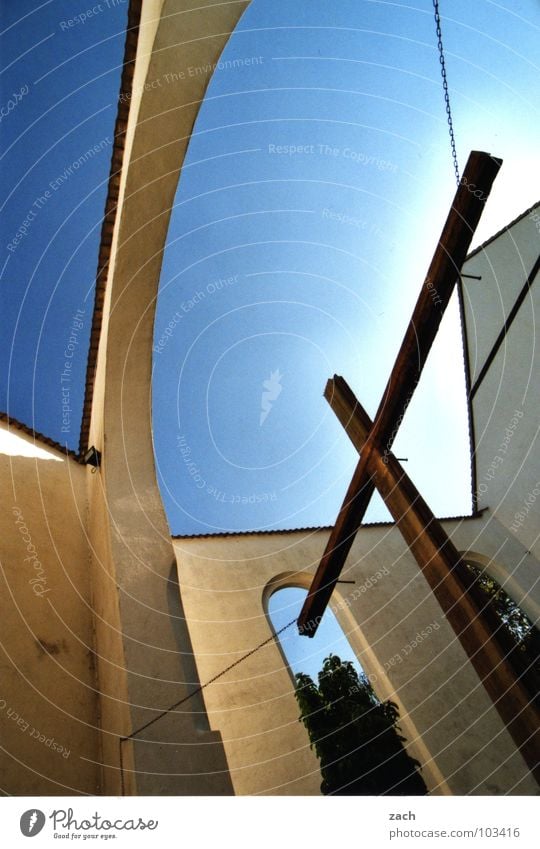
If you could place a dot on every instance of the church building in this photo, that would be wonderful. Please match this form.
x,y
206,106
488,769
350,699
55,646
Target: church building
x,y
139,663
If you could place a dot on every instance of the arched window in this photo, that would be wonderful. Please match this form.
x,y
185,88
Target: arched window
x,y
355,735
303,654
518,637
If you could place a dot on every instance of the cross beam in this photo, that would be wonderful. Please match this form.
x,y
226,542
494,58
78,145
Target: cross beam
x,y
454,243
474,622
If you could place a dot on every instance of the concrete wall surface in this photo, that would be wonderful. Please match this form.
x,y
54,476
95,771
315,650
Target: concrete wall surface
x,y
48,699
394,626
505,405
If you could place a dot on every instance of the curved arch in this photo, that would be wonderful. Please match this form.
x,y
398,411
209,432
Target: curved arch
x,y
283,580
369,662
507,580
131,545
278,582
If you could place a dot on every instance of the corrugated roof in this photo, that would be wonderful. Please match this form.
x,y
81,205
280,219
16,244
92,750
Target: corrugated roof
x,y
39,437
111,207
267,532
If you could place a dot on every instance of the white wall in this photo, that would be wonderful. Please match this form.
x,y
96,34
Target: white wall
x,y
505,407
447,717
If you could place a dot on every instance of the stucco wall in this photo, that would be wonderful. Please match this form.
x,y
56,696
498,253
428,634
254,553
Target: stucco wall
x,y
447,717
505,406
48,702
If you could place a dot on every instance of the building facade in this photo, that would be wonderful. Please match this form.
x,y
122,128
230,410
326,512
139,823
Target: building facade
x,y
109,626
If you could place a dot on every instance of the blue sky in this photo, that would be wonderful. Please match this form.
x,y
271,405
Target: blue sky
x,y
307,655
317,182
63,75
316,185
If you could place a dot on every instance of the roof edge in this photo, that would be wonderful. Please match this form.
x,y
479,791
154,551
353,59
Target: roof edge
x,y
40,437
273,531
501,231
110,213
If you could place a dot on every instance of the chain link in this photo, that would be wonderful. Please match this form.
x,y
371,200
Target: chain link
x,y
211,681
445,89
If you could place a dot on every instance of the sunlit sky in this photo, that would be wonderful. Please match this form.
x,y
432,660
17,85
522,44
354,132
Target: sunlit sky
x,y
303,654
317,182
16,446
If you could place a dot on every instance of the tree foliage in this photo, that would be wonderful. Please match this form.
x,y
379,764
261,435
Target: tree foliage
x,y
355,736
518,637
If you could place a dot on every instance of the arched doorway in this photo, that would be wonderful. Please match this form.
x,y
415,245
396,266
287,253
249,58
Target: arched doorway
x,y
516,633
355,735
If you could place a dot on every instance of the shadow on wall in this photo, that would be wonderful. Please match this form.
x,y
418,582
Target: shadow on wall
x,y
187,666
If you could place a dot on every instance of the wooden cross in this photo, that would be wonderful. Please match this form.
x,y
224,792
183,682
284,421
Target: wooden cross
x,y
378,469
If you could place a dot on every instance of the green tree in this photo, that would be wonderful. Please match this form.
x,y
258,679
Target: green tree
x,y
355,736
518,637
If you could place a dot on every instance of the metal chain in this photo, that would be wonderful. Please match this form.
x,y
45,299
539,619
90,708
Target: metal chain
x,y
211,681
445,89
